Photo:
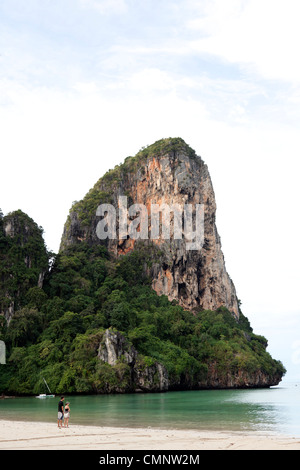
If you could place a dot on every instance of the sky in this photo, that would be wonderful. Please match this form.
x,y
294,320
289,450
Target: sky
x,y
86,83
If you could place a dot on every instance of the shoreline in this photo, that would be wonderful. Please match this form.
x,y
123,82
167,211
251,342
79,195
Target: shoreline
x,y
29,435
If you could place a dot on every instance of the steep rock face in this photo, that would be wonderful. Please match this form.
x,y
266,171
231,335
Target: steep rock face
x,y
114,347
240,379
146,377
168,172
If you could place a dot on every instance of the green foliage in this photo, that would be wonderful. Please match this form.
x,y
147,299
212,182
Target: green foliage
x,y
56,331
87,207
132,164
23,257
166,146
25,327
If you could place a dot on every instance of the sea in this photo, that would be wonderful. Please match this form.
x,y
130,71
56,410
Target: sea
x,y
272,411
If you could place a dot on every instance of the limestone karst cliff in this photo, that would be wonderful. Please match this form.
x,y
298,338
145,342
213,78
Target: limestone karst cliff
x,y
168,172
134,311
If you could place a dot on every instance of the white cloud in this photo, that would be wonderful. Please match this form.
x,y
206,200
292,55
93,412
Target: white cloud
x,y
148,80
151,79
105,6
263,35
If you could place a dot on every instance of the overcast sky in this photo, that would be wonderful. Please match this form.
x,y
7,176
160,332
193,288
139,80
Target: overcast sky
x,y
85,83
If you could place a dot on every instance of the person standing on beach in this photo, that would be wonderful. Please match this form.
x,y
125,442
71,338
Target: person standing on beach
x,y
67,414
60,413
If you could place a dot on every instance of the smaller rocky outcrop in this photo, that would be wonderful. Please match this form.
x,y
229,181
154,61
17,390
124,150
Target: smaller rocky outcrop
x,y
114,347
23,260
145,374
152,378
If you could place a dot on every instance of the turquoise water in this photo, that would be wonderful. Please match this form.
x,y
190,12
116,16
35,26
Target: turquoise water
x,y
275,410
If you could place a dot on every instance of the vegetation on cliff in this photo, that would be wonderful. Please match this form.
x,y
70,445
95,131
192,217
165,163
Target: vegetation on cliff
x,y
23,258
56,331
56,310
103,189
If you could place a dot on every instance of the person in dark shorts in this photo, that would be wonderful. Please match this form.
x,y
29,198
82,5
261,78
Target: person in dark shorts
x,y
60,413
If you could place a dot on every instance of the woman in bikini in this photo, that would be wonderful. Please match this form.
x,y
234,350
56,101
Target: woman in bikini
x,y
67,414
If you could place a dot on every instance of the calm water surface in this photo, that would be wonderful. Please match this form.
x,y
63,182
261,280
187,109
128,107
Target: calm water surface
x,y
275,410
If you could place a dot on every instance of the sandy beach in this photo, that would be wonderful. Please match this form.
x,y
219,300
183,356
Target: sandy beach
x,y
20,435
